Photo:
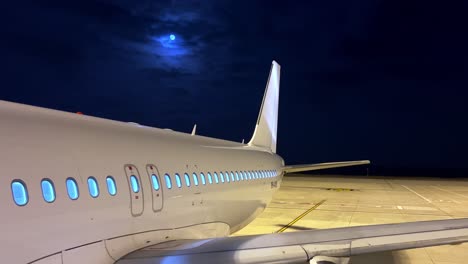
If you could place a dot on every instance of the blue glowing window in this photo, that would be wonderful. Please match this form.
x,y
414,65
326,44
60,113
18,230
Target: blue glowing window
x,y
111,187
178,180
195,179
48,191
268,174
257,174
262,174
249,174
187,180
202,176
155,182
216,177
221,176
93,187
134,184
232,176
243,176
72,189
237,176
227,176
167,178
19,192
210,180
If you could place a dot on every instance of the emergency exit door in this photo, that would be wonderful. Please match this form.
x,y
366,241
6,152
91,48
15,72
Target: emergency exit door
x,y
156,187
136,190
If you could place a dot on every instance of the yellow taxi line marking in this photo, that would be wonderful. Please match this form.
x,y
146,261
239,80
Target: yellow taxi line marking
x,y
300,217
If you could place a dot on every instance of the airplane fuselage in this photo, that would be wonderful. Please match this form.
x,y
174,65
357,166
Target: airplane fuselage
x,y
40,145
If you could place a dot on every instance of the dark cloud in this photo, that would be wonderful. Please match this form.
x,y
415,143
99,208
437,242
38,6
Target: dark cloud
x,y
384,80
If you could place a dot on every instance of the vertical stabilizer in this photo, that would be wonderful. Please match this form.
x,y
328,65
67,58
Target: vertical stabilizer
x,y
267,122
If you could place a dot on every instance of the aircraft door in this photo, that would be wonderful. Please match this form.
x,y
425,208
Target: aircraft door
x,y
136,190
156,187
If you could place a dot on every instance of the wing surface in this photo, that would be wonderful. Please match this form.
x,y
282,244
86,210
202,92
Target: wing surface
x,y
303,246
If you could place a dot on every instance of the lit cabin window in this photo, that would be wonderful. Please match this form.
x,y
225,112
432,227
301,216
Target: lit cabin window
x,y
237,176
195,179
210,180
168,181
216,177
111,187
227,176
48,191
93,187
134,184
155,182
72,189
178,181
202,177
187,180
19,192
221,176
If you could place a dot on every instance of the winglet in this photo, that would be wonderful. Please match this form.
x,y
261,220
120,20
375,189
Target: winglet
x,y
267,122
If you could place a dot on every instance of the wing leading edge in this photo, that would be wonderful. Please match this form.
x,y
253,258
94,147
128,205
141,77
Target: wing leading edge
x,y
300,247
321,166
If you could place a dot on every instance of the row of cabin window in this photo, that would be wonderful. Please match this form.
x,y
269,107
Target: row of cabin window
x,y
226,177
21,197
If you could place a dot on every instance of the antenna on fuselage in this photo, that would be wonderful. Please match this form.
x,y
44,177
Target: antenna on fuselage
x,y
194,130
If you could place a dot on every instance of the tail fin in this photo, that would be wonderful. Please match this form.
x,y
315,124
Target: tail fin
x,y
267,122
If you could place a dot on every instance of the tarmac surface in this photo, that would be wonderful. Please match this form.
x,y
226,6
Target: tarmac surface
x,y
330,201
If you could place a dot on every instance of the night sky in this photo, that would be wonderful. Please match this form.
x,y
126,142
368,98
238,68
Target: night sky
x,y
379,80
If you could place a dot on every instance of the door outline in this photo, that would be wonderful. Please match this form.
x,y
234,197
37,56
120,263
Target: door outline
x,y
137,201
157,196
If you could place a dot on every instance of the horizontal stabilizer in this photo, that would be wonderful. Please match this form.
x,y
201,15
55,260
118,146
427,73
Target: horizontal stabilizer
x,y
321,166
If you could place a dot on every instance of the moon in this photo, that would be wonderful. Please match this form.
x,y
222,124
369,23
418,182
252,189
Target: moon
x,y
172,37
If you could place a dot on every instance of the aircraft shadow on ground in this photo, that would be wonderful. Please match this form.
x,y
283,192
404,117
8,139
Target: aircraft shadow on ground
x,y
372,258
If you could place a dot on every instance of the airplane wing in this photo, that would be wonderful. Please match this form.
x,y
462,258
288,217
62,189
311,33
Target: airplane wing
x,y
321,166
333,245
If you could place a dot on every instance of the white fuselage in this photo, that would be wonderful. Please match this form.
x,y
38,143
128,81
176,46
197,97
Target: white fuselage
x,y
39,144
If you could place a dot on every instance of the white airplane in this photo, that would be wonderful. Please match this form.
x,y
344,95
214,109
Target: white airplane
x,y
81,189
